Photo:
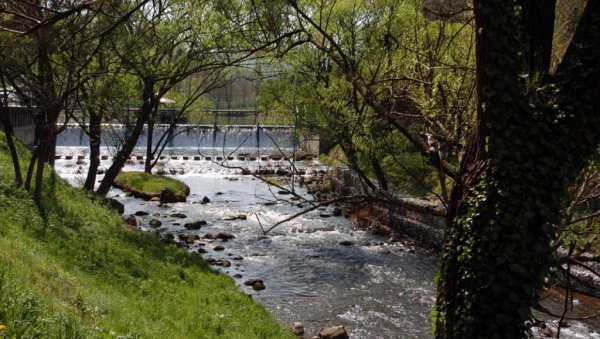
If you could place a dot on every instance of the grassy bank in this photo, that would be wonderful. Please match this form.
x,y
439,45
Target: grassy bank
x,y
69,269
147,186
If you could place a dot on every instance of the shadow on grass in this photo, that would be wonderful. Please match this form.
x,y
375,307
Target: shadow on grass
x,y
149,243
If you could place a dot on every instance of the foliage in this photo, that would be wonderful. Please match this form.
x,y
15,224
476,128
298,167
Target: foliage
x,y
377,77
69,268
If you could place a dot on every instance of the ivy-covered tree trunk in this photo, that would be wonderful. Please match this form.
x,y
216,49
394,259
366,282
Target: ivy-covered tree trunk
x,y
534,133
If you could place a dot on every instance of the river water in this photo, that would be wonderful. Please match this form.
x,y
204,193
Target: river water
x,y
318,269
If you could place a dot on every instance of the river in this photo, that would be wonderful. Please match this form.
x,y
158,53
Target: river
x,y
319,269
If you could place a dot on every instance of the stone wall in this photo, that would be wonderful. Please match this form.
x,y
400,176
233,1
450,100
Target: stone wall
x,y
420,219
424,221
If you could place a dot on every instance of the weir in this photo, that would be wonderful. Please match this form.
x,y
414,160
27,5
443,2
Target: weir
x,y
193,139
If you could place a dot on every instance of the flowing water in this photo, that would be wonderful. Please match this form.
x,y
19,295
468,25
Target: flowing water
x,y
190,139
318,269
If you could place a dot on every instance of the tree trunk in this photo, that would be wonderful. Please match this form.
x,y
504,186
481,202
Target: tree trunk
x,y
149,103
529,145
30,168
95,139
42,158
380,174
8,131
148,163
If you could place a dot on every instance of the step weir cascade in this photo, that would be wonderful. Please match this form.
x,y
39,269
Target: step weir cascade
x,y
193,139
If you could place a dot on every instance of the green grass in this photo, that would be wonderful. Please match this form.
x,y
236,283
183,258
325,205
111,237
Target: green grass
x,y
149,185
69,269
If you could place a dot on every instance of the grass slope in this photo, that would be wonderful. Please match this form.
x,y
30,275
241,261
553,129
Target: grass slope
x,y
146,186
69,269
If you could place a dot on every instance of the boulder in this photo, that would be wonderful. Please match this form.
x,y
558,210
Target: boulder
x,y
178,215
334,332
237,217
224,236
155,199
346,243
256,284
155,223
337,212
131,220
167,196
116,205
196,225
205,200
219,248
297,329
189,238
251,282
220,262
208,236
141,213
201,250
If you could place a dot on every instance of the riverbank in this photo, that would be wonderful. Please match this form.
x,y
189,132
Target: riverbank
x,y
69,268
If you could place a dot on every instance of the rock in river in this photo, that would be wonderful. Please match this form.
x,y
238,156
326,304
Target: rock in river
x,y
167,196
220,262
334,332
218,248
178,215
196,225
225,236
131,220
205,200
256,284
141,213
297,329
189,238
116,205
236,217
155,223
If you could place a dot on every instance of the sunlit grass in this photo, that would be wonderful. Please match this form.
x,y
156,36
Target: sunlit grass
x,y
149,184
69,269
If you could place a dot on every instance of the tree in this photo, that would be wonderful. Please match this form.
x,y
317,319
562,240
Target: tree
x,y
43,60
161,48
47,46
535,131
390,83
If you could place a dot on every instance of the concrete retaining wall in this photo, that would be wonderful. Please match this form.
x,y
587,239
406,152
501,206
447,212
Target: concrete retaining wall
x,y
417,218
424,221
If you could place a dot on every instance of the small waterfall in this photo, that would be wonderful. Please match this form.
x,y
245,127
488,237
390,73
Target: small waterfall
x,y
191,139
